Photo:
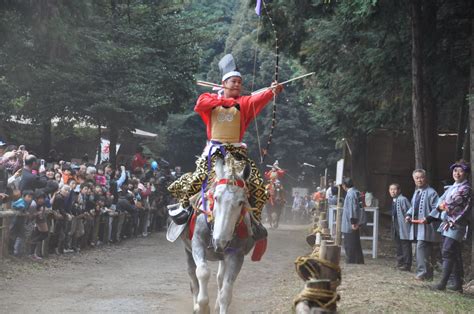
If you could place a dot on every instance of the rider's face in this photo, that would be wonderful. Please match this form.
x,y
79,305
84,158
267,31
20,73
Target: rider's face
x,y
232,87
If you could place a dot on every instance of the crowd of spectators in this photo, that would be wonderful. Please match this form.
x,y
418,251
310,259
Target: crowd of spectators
x,y
66,206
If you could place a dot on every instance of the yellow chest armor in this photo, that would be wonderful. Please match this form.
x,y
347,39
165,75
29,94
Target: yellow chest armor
x,y
225,125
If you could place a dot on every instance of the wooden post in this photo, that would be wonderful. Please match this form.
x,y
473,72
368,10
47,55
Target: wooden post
x,y
95,233
44,245
338,217
152,220
5,235
5,231
107,228
322,216
332,253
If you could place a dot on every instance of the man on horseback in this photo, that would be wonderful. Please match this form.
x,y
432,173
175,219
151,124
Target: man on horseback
x,y
227,115
275,173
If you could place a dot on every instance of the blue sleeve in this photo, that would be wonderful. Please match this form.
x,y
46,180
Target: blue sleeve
x,y
405,206
434,200
441,199
410,210
121,180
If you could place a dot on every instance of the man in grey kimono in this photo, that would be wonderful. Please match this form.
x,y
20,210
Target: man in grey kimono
x,y
353,217
400,228
423,202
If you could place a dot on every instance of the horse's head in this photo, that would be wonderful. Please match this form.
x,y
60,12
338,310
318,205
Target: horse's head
x,y
230,200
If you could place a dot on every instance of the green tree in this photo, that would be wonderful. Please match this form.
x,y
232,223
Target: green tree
x,y
360,51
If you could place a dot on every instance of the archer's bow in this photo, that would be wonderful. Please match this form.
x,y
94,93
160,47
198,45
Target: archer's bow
x,y
264,151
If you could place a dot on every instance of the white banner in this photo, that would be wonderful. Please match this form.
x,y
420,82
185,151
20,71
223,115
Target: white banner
x,y
339,171
105,150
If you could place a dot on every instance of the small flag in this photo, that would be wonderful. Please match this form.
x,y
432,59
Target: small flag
x,y
258,7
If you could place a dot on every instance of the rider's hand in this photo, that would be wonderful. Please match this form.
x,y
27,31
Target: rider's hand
x,y
277,88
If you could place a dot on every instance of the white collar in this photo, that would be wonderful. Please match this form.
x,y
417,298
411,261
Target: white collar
x,y
460,183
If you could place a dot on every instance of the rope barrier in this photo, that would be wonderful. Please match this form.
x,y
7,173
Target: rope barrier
x,y
309,267
325,299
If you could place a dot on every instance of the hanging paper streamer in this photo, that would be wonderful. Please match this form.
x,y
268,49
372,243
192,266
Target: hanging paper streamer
x,y
258,7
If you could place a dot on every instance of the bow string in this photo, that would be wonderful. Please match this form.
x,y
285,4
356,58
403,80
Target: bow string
x,y
264,152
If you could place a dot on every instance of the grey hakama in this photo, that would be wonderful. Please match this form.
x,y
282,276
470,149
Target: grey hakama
x,y
353,213
401,231
425,234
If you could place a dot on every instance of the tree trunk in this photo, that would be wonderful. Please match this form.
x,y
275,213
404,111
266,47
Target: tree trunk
x,y
113,134
99,149
430,114
462,125
417,85
466,152
471,118
46,138
430,123
359,161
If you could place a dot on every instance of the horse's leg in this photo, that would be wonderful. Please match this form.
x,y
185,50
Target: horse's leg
x,y
233,265
273,217
202,269
278,214
203,273
220,280
194,280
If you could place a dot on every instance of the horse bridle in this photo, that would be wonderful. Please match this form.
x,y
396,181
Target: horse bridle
x,y
230,182
234,182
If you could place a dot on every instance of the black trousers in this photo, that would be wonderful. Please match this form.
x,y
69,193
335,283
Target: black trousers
x,y
404,251
353,247
452,255
36,238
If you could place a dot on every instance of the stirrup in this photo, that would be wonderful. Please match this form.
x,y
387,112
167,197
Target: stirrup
x,y
179,214
173,206
259,231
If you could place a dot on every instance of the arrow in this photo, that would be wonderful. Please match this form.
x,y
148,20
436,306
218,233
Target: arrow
x,y
219,86
283,83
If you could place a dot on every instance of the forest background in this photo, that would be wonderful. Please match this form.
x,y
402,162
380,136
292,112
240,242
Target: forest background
x,y
127,64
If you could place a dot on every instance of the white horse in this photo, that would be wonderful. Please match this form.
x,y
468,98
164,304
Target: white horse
x,y
216,240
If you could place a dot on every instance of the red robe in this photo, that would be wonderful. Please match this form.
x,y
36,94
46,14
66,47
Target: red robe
x,y
272,175
207,101
138,161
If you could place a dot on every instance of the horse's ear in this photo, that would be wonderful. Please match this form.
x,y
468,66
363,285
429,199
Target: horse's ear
x,y
219,168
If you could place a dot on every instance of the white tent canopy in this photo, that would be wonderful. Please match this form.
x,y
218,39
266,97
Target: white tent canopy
x,y
55,121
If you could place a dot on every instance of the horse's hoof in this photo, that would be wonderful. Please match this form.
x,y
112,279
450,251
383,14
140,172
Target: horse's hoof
x,y
198,311
204,310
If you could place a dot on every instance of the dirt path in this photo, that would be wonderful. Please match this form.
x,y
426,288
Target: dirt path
x,y
149,276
